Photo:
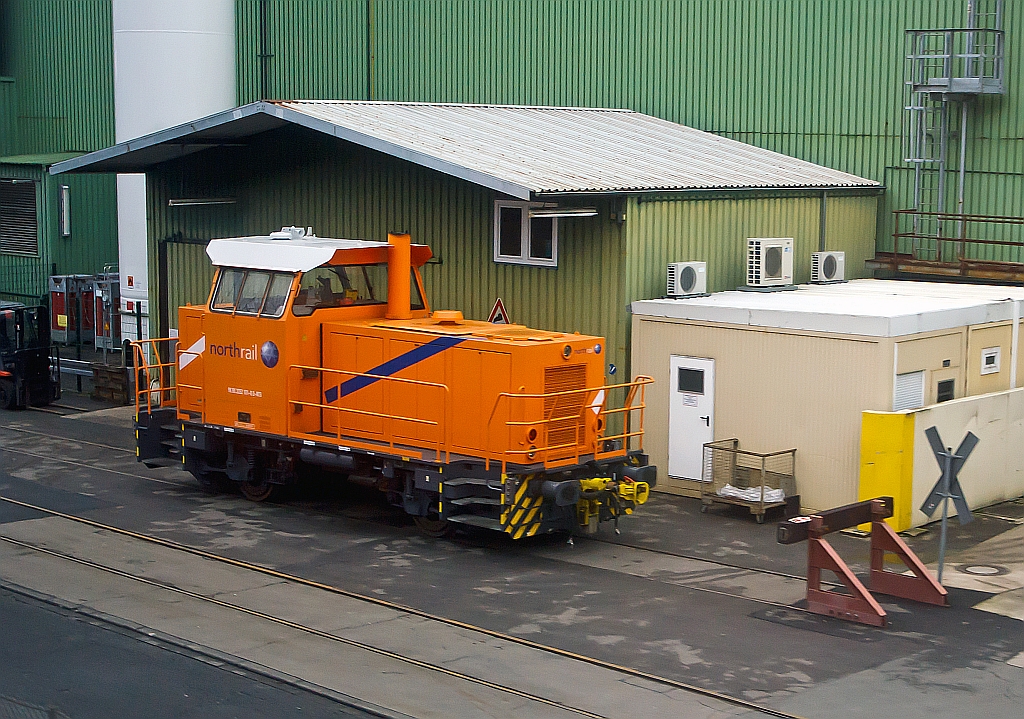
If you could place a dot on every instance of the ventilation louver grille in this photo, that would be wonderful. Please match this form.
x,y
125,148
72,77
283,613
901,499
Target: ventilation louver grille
x,y
566,411
18,230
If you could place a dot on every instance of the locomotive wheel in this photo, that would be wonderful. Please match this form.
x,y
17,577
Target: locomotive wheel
x,y
7,394
257,491
434,527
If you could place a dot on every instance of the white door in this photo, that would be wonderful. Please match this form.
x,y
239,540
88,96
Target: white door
x,y
691,415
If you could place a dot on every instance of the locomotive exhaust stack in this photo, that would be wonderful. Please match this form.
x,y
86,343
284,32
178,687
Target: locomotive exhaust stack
x,y
346,369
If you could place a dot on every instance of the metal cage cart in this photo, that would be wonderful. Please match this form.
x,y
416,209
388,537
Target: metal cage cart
x,y
756,480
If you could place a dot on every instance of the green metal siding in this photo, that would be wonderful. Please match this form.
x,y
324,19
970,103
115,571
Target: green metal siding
x,y
20,278
92,244
292,176
318,50
816,79
359,194
63,66
61,100
715,230
8,116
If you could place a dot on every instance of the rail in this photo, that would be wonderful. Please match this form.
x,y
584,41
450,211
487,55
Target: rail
x,y
954,240
442,445
154,377
594,400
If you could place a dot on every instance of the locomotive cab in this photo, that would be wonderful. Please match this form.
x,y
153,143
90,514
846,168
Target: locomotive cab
x,y
325,353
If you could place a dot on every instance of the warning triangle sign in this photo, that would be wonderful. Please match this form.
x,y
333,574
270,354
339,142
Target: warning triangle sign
x,y
498,315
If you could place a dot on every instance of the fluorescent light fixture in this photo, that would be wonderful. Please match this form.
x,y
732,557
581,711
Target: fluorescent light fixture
x,y
197,201
563,211
65,211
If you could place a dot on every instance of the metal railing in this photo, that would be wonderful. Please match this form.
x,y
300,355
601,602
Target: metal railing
x,y
963,61
595,401
441,445
154,376
953,239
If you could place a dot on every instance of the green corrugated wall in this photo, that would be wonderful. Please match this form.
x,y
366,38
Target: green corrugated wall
x,y
63,70
715,230
360,194
60,98
294,176
816,79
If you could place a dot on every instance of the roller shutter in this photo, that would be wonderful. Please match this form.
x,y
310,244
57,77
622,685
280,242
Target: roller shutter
x,y
19,233
908,392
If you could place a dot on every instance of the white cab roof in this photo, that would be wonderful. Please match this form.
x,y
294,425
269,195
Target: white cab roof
x,y
873,308
266,252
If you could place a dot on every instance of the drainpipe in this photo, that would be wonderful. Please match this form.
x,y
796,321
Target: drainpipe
x,y
1014,338
399,273
821,221
371,51
264,52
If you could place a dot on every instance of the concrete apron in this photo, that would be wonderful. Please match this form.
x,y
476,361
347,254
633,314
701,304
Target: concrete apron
x,y
379,681
995,566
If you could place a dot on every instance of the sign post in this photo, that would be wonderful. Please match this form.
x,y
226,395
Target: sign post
x,y
948,486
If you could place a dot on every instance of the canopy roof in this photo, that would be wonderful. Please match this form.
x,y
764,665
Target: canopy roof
x,y
516,150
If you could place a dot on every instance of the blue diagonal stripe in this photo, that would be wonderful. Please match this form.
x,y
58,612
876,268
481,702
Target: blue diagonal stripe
x,y
399,363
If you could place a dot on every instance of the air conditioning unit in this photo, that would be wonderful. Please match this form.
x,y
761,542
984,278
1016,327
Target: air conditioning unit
x,y
769,261
828,267
687,278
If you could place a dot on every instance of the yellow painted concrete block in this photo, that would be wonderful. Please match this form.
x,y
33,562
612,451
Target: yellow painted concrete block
x,y
887,462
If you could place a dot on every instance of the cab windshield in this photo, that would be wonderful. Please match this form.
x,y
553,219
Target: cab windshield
x,y
251,292
347,286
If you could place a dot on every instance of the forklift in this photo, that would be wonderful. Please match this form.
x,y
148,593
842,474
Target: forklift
x,y
29,363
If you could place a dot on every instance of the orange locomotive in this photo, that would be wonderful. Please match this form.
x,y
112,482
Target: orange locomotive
x,y
324,352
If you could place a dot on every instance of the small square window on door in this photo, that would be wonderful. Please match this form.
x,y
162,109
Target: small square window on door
x,y
690,381
990,360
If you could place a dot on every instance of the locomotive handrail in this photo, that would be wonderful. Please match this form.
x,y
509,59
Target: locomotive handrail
x,y
544,452
147,370
441,446
179,385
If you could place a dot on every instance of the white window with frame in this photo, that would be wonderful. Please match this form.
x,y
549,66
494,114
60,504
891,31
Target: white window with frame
x,y
990,360
523,240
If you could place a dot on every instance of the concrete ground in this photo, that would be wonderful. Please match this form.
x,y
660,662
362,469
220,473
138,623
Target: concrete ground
x,y
61,663
678,594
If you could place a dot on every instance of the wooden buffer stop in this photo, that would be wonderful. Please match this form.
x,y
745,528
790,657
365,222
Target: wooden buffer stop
x,y
859,605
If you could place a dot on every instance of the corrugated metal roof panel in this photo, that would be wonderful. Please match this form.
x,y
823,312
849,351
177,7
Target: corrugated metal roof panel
x,y
567,149
517,150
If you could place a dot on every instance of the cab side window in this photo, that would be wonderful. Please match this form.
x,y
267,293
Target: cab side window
x,y
341,286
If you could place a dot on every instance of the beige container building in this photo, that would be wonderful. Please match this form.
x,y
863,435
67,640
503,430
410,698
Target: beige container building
x,y
795,369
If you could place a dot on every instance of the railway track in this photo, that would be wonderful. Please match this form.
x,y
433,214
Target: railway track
x,y
665,682
188,483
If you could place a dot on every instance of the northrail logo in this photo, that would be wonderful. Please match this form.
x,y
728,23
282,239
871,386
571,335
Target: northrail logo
x,y
234,351
268,353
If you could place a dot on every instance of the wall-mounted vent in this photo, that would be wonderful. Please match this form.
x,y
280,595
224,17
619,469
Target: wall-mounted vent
x,y
19,233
